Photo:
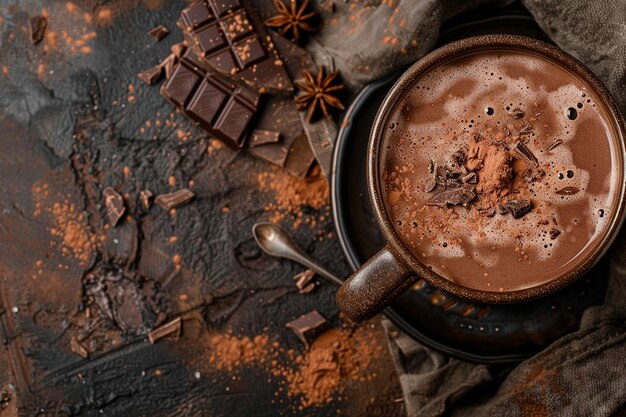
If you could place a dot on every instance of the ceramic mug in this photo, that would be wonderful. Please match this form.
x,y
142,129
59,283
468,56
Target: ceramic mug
x,y
393,269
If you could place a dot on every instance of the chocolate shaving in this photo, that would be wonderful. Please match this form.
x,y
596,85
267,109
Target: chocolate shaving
x,y
146,198
430,185
519,207
303,281
431,166
460,196
554,233
517,113
37,26
175,199
555,144
78,348
172,328
308,327
523,150
470,178
151,75
568,191
114,204
159,32
488,212
168,65
526,130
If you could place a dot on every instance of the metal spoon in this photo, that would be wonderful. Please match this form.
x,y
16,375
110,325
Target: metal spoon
x,y
275,241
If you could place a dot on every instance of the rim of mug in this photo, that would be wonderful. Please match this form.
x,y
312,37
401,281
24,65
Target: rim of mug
x,y
449,52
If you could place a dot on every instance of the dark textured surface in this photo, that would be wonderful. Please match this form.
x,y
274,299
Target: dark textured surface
x,y
73,115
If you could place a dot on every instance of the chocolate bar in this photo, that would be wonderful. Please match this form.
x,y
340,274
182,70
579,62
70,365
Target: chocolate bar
x,y
227,37
222,108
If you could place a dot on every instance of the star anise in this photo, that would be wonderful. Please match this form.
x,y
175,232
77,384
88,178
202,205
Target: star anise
x,y
291,18
317,92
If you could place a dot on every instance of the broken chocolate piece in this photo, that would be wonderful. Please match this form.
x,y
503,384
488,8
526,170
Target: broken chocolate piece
x,y
228,37
262,137
567,191
178,49
488,212
175,199
158,32
220,107
78,348
459,196
303,281
517,113
502,209
519,207
172,329
151,75
554,233
555,144
300,158
308,327
168,65
37,26
114,204
146,198
523,150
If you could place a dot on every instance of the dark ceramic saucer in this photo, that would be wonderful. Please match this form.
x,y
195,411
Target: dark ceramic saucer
x,y
471,331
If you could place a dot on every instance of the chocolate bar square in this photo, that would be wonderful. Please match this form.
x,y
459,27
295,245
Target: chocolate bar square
x,y
234,121
209,38
237,25
195,15
248,51
222,7
223,61
180,86
207,102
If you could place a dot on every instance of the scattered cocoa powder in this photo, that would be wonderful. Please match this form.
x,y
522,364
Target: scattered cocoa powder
x,y
292,193
229,351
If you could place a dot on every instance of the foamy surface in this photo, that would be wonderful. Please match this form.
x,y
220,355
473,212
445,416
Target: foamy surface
x,y
443,112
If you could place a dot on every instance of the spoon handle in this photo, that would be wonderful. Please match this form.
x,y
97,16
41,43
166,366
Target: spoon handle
x,y
320,270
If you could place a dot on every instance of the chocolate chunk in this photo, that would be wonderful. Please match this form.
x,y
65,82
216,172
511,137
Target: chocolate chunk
x,y
122,243
159,32
175,199
168,65
300,157
171,329
37,26
523,150
554,233
470,178
178,49
78,348
228,37
555,144
308,327
502,209
262,137
114,204
460,196
517,113
225,110
146,198
303,281
295,58
519,207
567,191
151,75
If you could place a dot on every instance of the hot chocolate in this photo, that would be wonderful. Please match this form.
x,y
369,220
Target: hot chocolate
x,y
500,170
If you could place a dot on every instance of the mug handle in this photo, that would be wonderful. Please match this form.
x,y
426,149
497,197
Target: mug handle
x,y
374,285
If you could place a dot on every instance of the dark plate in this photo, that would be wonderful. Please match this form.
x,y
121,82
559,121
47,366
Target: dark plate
x,y
475,332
